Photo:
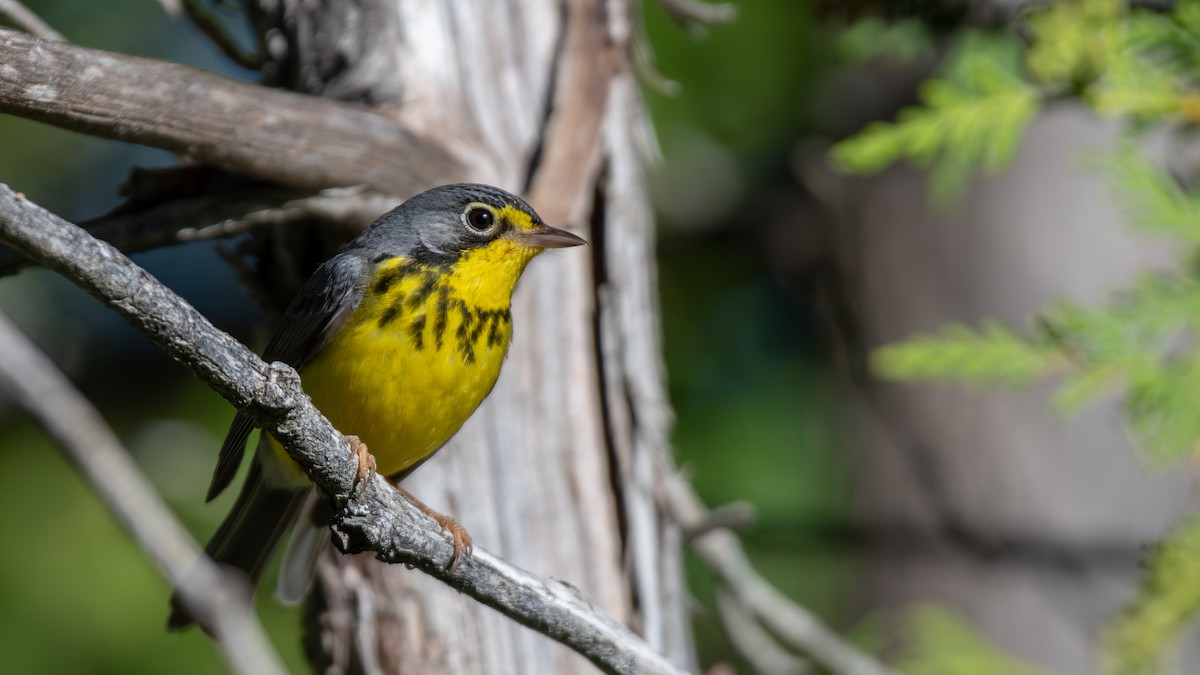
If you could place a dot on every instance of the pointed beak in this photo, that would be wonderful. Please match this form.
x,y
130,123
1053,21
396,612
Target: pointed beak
x,y
544,236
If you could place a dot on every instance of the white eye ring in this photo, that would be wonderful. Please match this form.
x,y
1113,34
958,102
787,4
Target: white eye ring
x,y
480,219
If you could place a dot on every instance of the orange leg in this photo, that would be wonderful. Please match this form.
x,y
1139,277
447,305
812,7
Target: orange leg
x,y
462,540
366,468
366,463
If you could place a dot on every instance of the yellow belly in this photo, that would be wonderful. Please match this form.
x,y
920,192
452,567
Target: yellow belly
x,y
408,368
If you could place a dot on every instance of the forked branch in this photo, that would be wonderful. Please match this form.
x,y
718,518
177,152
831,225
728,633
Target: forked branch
x,y
792,627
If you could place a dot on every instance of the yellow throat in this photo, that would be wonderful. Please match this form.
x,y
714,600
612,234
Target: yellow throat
x,y
418,355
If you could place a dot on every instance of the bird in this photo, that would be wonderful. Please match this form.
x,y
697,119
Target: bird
x,y
397,339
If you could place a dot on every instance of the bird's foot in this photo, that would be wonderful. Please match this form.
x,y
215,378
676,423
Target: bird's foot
x,y
462,540
366,464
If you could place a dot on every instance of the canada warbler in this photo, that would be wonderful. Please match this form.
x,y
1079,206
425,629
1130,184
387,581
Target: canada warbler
x,y
397,339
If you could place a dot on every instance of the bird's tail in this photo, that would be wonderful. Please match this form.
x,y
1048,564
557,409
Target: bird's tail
x,y
250,533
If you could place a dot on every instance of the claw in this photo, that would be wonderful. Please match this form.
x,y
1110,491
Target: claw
x,y
462,541
366,464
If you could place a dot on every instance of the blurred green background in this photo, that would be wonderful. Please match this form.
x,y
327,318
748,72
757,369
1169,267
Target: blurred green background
x,y
747,350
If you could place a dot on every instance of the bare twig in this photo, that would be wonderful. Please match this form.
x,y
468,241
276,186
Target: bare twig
x,y
218,599
179,221
296,140
644,61
167,223
730,516
753,641
27,21
171,7
211,26
223,215
692,16
377,520
795,627
686,11
246,275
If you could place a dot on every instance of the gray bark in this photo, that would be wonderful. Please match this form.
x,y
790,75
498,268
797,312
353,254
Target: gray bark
x,y
552,473
212,119
372,517
557,471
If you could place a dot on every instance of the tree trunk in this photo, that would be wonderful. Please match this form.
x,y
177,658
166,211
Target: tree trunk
x,y
556,471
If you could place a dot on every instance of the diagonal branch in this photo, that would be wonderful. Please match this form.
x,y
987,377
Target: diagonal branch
x,y
211,26
179,221
220,600
23,18
794,627
379,519
296,140
699,12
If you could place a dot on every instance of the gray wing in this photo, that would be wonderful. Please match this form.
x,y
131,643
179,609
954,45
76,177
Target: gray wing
x,y
316,314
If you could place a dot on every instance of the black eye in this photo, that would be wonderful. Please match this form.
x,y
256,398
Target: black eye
x,y
480,218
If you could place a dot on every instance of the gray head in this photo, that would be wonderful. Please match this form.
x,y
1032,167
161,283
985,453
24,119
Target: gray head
x,y
438,225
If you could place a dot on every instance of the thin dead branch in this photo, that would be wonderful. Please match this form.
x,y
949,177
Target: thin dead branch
x,y
26,20
207,217
219,600
794,627
693,16
753,642
695,11
211,26
248,129
378,519
730,516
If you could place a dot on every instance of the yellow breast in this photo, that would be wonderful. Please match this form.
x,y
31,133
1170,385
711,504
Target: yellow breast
x,y
418,355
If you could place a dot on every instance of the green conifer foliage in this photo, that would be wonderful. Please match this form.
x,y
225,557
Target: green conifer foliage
x,y
1141,66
